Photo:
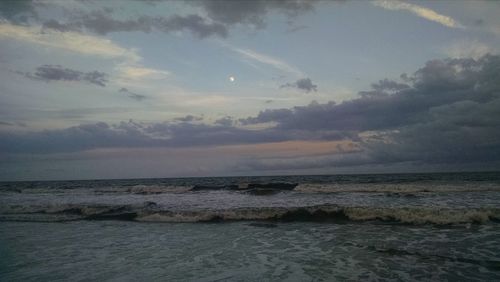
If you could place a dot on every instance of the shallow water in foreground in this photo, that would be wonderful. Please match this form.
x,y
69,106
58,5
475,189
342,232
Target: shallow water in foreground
x,y
353,227
246,251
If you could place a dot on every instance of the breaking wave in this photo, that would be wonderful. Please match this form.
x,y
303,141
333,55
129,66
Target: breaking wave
x,y
256,188
395,188
151,212
153,189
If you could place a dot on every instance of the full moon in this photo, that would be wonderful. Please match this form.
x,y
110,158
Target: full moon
x,y
231,78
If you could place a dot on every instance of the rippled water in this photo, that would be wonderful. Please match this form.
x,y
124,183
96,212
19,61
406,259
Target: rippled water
x,y
401,227
126,251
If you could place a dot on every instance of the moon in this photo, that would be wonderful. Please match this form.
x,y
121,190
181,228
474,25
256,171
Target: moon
x,y
231,78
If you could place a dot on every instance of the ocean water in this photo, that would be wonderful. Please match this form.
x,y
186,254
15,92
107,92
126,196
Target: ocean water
x,y
414,227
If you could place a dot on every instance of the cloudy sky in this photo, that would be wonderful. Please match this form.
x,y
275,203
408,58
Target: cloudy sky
x,y
126,89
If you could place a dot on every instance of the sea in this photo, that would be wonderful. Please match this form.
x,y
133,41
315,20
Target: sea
x,y
373,227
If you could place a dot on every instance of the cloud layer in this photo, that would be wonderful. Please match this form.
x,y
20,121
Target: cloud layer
x,y
253,12
215,18
68,41
447,112
102,23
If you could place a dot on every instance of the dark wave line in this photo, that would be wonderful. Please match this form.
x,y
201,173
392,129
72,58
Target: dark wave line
x,y
150,212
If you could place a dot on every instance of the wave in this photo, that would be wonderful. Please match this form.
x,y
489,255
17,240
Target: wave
x,y
136,189
332,213
394,188
150,212
252,188
271,188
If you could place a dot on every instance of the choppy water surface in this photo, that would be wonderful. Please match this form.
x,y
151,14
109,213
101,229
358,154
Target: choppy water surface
x,y
364,227
114,250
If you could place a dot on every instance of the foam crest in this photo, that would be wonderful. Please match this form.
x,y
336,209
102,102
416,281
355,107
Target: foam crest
x,y
150,212
332,213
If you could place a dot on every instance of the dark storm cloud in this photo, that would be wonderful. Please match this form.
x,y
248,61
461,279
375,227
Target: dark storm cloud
x,y
464,131
58,73
63,27
98,21
188,134
134,134
450,114
217,18
132,95
17,11
385,87
439,82
191,134
253,12
76,138
275,115
193,23
347,159
103,23
304,84
462,134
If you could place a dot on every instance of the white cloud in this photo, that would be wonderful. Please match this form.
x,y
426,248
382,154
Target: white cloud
x,y
268,60
420,11
130,72
69,41
129,69
467,49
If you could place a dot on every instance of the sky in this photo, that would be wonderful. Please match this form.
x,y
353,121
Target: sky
x,y
137,89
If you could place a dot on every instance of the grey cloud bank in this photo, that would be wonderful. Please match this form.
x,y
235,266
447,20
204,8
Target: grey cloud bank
x,y
450,114
17,11
447,112
438,83
216,19
253,12
102,23
58,73
136,135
